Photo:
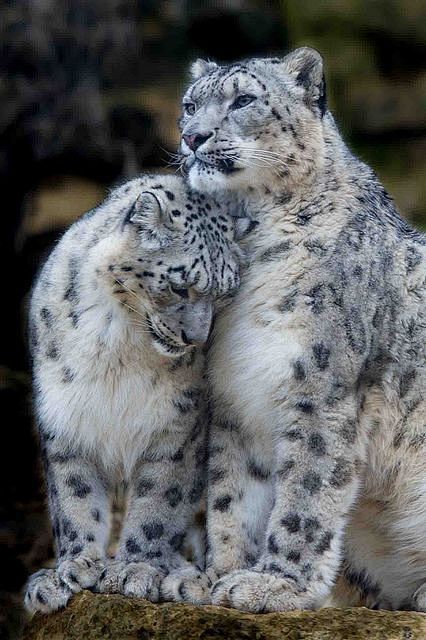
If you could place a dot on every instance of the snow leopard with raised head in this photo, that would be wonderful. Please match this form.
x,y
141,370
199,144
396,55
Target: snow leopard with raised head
x,y
317,447
117,319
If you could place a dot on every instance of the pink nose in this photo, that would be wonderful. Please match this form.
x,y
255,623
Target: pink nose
x,y
195,140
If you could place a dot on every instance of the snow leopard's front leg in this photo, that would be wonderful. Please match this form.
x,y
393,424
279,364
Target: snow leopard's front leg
x,y
315,484
164,495
239,494
79,510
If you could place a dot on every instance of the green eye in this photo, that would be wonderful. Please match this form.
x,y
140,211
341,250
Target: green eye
x,y
189,108
242,101
182,293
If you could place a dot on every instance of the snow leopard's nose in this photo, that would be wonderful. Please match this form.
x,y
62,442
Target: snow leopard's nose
x,y
195,140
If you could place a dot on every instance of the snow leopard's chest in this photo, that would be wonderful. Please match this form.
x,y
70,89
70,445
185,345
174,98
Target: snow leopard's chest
x,y
115,404
253,352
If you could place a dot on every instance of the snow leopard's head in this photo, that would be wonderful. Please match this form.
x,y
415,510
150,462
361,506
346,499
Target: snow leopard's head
x,y
174,257
254,122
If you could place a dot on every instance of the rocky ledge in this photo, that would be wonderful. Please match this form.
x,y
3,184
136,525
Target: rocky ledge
x,y
114,617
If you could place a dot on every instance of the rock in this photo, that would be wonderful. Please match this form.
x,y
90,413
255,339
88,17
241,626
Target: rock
x,y
114,617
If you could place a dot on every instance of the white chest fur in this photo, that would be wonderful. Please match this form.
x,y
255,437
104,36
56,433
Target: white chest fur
x,y
254,356
117,400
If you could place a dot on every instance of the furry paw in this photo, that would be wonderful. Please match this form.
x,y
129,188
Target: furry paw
x,y
257,593
186,585
46,592
419,599
131,579
80,573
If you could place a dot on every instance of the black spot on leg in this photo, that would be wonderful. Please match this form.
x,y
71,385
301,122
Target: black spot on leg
x,y
132,546
413,258
52,351
176,541
299,371
81,489
272,544
349,431
272,567
293,435
305,405
96,515
312,482
288,303
62,458
310,527
316,444
173,495
153,530
324,543
355,331
321,355
250,559
46,316
76,550
316,297
222,503
342,473
256,471
293,556
291,522
67,375
144,486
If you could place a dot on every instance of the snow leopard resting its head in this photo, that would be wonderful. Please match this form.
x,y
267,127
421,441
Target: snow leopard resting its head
x,y
255,122
163,253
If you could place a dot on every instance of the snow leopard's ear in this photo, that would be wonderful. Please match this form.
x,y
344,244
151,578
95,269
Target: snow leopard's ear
x,y
201,68
148,217
306,66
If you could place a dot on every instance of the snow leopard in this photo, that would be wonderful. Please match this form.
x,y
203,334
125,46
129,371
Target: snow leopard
x,y
118,317
317,446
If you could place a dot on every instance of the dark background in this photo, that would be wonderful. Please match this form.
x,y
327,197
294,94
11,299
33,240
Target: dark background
x,y
89,95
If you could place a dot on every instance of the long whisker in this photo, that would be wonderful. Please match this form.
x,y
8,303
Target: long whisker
x,y
121,283
266,151
261,154
132,309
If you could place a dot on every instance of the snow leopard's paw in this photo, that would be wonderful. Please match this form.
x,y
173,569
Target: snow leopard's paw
x,y
46,592
80,573
186,585
257,592
131,579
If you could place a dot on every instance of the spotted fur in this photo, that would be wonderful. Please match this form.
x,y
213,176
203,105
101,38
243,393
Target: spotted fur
x,y
317,444
116,317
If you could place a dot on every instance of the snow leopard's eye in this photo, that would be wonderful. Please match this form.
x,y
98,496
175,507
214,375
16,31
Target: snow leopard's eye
x,y
242,101
182,293
189,108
